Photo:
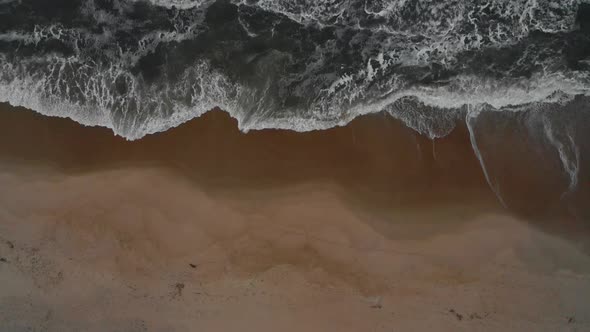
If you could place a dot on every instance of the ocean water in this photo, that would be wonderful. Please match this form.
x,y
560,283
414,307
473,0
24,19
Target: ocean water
x,y
294,165
141,67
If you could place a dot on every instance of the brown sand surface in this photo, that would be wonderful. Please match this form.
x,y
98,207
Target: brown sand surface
x,y
367,227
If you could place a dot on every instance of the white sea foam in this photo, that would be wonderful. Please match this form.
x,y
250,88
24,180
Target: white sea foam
x,y
569,153
472,116
182,4
93,100
87,94
109,94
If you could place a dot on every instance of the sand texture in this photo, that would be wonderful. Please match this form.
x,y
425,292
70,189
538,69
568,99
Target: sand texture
x,y
368,227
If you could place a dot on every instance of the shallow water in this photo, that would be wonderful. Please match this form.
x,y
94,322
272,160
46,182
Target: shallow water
x,y
337,165
206,227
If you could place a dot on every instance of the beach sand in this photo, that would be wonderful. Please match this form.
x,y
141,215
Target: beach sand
x,y
367,227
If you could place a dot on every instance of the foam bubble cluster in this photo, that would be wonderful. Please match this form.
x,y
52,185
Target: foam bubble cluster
x,y
140,67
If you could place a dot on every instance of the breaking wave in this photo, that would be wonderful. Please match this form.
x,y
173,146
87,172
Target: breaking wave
x,y
140,67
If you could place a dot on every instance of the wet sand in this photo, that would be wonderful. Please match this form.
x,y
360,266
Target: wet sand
x,y
368,227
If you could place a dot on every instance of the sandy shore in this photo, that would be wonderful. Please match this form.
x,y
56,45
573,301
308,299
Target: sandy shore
x,y
367,227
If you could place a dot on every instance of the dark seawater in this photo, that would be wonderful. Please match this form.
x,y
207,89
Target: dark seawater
x,y
503,68
144,66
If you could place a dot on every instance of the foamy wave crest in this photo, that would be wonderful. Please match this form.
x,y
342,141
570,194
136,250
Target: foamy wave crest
x,y
140,67
182,4
113,97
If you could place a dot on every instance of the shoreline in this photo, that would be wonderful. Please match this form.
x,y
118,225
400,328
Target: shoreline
x,y
362,227
368,152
